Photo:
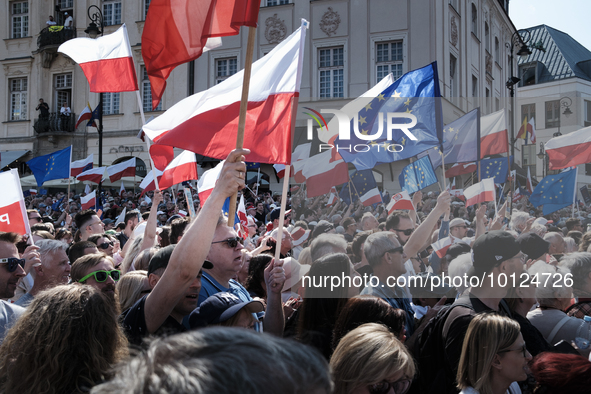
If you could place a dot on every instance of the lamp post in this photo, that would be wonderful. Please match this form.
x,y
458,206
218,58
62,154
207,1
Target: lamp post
x,y
519,39
94,29
565,102
542,156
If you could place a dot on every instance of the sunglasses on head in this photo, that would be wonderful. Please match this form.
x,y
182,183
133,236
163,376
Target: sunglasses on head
x,y
102,275
231,242
406,232
399,387
12,263
105,245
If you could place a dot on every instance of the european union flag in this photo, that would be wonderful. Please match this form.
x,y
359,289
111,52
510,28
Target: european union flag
x,y
347,194
53,166
226,210
417,175
363,181
56,205
415,93
96,115
555,191
495,168
253,166
460,141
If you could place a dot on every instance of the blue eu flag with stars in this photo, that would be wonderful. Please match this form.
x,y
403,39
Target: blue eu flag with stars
x,y
417,93
53,166
417,175
494,168
555,191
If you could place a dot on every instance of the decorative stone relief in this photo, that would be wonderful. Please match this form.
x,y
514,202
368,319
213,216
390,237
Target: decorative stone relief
x,y
454,32
489,63
126,149
330,22
276,30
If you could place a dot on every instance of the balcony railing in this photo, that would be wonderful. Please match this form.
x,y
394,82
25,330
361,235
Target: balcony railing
x,y
54,36
55,123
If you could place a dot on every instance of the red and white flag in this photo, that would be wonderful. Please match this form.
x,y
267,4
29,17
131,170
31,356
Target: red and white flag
x,y
161,155
531,128
179,31
570,149
400,200
79,166
148,182
207,122
87,189
322,173
458,193
85,115
371,197
243,231
89,201
460,169
480,192
207,182
528,184
13,211
440,247
119,170
121,216
333,198
517,196
493,134
280,170
121,189
106,61
94,175
182,168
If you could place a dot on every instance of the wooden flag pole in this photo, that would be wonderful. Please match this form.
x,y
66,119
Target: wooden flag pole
x,y
147,139
281,212
242,118
443,168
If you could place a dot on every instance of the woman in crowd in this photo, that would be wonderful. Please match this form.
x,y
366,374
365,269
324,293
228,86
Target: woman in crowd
x,y
66,342
255,282
323,304
64,235
368,309
494,356
371,360
131,287
558,373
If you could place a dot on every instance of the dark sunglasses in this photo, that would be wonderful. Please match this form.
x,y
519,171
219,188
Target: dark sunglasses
x,y
399,387
12,263
101,276
105,245
232,242
406,232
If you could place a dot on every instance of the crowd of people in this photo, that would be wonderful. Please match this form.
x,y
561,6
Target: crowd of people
x,y
138,296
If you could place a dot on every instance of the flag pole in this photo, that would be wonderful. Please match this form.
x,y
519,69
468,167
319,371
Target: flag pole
x,y
147,139
575,193
281,212
258,180
242,117
443,169
350,196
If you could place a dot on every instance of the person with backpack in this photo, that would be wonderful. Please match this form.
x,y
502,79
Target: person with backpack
x,y
496,256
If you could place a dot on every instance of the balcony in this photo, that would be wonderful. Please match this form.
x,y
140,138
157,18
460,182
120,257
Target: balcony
x,y
50,39
55,123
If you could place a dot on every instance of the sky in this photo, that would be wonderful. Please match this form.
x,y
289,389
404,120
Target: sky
x,y
569,16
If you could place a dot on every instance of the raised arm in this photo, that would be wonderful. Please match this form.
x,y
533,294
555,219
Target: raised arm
x,y
188,256
423,232
151,224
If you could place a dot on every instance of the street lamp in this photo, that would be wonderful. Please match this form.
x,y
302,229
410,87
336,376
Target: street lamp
x,y
94,29
542,156
519,39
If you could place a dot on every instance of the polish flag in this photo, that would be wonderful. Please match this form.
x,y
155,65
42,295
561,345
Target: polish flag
x,y
182,168
13,211
518,196
243,231
460,169
280,170
528,185
148,182
161,155
531,128
118,171
458,193
122,189
570,149
94,175
480,192
440,247
300,153
207,182
207,122
400,200
332,199
106,61
86,114
89,201
321,173
79,166
121,216
493,134
372,196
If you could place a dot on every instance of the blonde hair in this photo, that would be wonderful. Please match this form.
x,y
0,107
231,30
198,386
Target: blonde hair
x,y
367,355
129,288
488,335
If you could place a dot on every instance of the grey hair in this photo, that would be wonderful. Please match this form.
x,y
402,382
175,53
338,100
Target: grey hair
x,y
552,236
376,245
219,360
518,219
50,246
365,217
579,265
458,267
326,244
539,229
548,292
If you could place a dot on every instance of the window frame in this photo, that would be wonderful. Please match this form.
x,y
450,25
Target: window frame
x,y
278,2
331,68
587,105
528,151
111,103
390,62
61,91
23,99
377,39
530,114
474,20
110,18
147,91
454,81
22,17
552,108
220,78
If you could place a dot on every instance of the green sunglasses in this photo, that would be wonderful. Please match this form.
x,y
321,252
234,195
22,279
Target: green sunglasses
x,y
101,276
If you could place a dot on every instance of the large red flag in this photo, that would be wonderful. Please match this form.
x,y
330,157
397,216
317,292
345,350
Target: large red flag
x,y
570,149
207,122
176,32
13,211
182,168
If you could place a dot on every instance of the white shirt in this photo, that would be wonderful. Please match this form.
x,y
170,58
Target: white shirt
x,y
65,111
69,21
51,23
